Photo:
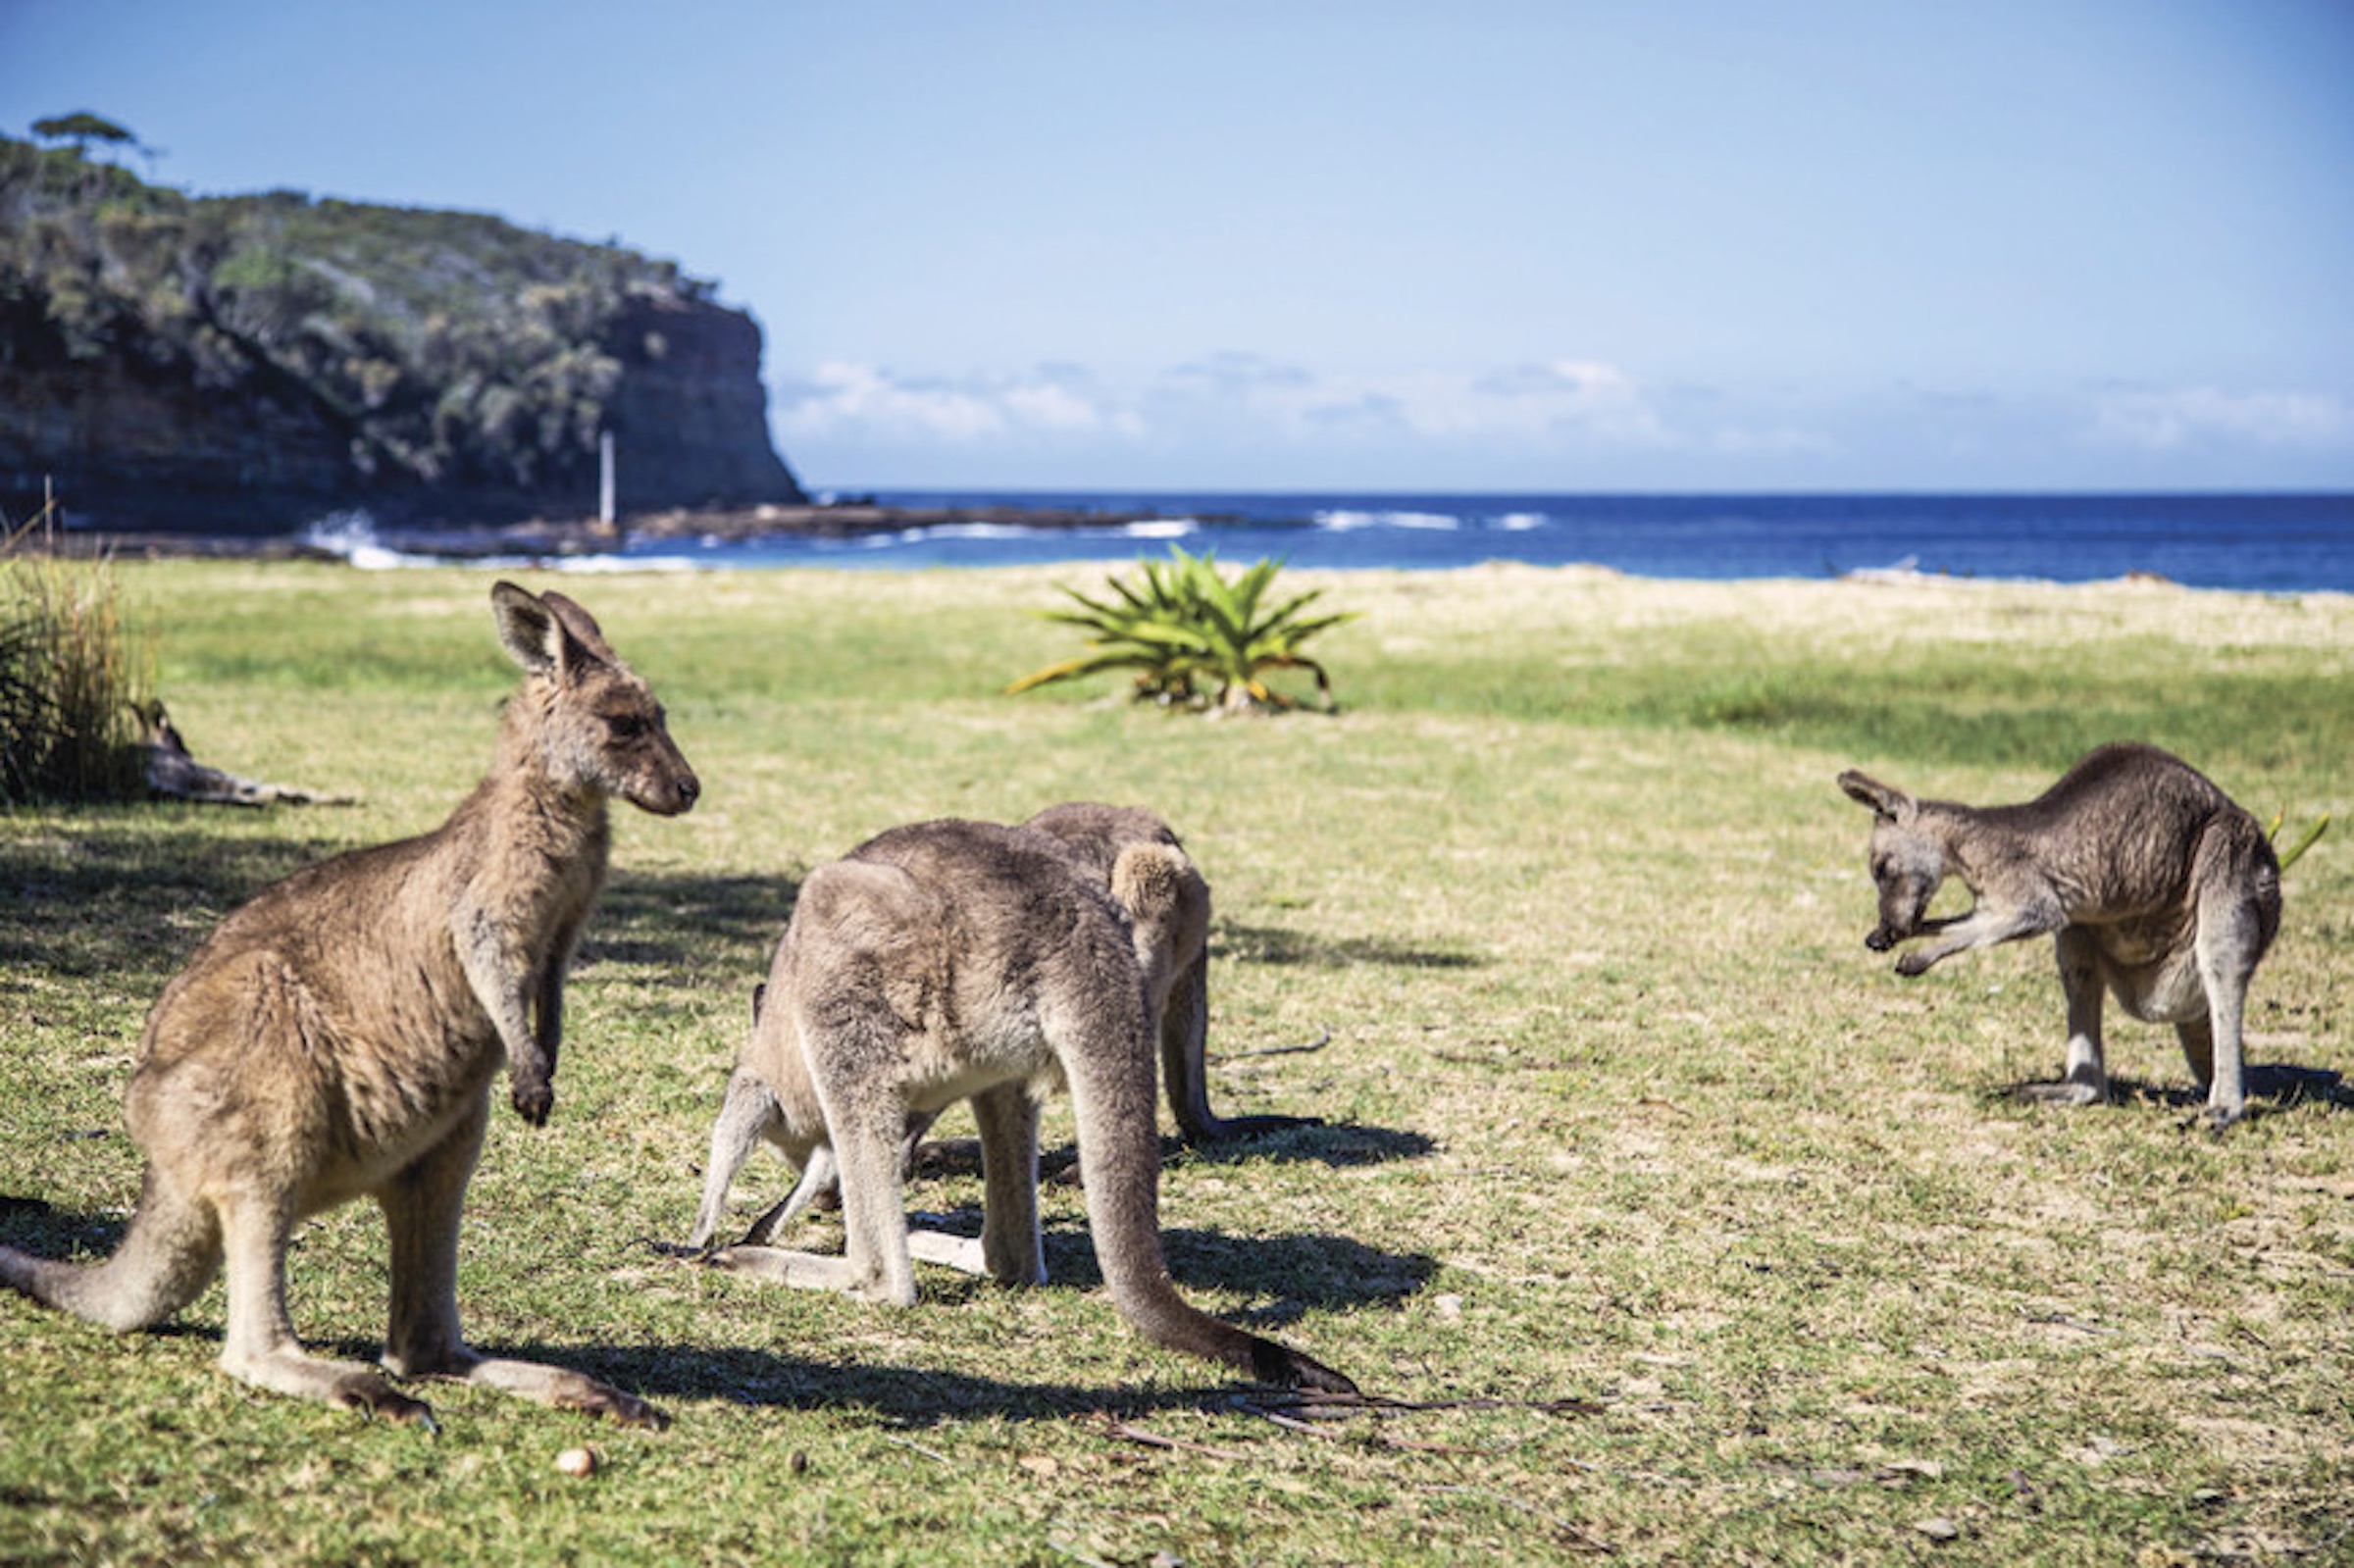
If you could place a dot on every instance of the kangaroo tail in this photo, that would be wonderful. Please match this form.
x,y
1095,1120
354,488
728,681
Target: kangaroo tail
x,y
1112,1093
168,1256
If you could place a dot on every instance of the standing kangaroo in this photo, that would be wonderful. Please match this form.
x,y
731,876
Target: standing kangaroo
x,y
1174,952
336,1038
2154,885
962,960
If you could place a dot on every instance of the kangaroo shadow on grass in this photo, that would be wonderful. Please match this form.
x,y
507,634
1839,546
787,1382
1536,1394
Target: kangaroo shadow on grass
x,y
910,1397
117,891
1274,944
1341,1145
679,922
1301,1271
2282,1086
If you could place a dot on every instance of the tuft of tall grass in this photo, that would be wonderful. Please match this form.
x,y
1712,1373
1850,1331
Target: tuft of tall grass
x,y
72,675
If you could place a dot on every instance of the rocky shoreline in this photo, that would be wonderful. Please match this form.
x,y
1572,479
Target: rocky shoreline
x,y
559,538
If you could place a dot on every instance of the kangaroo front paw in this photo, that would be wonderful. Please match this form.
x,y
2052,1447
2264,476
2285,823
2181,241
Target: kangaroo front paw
x,y
1914,963
533,1102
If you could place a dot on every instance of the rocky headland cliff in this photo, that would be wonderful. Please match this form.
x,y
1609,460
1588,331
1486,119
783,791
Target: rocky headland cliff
x,y
242,364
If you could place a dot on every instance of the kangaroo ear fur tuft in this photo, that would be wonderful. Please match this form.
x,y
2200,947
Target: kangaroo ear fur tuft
x,y
526,627
1885,799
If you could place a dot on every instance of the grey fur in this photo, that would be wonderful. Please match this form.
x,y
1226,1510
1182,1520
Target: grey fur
x,y
337,1035
962,960
2155,887
1095,836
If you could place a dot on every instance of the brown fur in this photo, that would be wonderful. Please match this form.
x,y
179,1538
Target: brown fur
x,y
336,1038
2153,884
1176,971
959,960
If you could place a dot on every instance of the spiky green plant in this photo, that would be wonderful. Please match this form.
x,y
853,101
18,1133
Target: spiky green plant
x,y
70,677
2304,842
1193,639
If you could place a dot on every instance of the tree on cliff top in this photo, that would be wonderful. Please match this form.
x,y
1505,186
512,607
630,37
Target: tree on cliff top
x,y
83,128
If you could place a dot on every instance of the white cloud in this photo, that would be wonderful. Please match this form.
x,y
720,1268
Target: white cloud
x,y
1535,405
1248,413
861,401
2170,420
1234,373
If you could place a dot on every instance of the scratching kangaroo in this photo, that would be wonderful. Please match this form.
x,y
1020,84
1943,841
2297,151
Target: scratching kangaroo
x,y
337,1039
2154,885
1096,835
962,960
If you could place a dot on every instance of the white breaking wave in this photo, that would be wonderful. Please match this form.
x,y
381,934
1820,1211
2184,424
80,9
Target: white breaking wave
x,y
353,536
972,531
1343,522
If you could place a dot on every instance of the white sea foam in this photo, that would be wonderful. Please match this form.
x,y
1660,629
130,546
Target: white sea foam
x,y
600,565
352,535
1346,522
1520,521
974,531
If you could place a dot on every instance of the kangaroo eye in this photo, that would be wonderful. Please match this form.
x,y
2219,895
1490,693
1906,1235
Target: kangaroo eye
x,y
626,726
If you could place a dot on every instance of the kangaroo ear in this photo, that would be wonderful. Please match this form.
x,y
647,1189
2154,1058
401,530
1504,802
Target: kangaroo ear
x,y
546,632
526,627
581,625
1167,904
1886,799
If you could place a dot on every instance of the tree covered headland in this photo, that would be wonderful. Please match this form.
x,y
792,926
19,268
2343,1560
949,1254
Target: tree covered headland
x,y
419,351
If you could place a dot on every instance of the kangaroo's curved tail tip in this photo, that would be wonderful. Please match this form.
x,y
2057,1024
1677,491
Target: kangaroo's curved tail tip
x,y
1290,1369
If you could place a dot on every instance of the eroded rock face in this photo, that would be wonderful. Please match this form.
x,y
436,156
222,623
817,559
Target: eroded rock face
x,y
690,416
246,364
126,436
136,439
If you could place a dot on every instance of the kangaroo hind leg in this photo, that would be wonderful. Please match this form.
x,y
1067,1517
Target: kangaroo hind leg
x,y
2239,913
421,1215
260,1347
2085,1080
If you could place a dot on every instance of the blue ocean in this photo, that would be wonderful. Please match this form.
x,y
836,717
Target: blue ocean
x,y
2268,544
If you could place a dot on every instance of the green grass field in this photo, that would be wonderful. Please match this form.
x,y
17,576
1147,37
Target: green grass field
x,y
1683,1228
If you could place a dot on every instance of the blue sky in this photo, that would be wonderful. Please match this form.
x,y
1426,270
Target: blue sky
x,y
1463,244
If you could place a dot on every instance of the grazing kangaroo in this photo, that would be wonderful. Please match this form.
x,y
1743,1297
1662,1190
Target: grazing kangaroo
x,y
1096,835
962,960
2154,885
336,1038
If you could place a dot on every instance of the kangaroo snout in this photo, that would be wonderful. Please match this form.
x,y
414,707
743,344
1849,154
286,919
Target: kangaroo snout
x,y
672,796
1880,939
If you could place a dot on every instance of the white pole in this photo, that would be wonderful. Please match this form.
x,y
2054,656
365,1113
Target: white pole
x,y
604,478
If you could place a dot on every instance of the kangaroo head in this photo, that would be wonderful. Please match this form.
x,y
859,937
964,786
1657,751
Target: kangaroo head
x,y
1169,912
1907,863
594,723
